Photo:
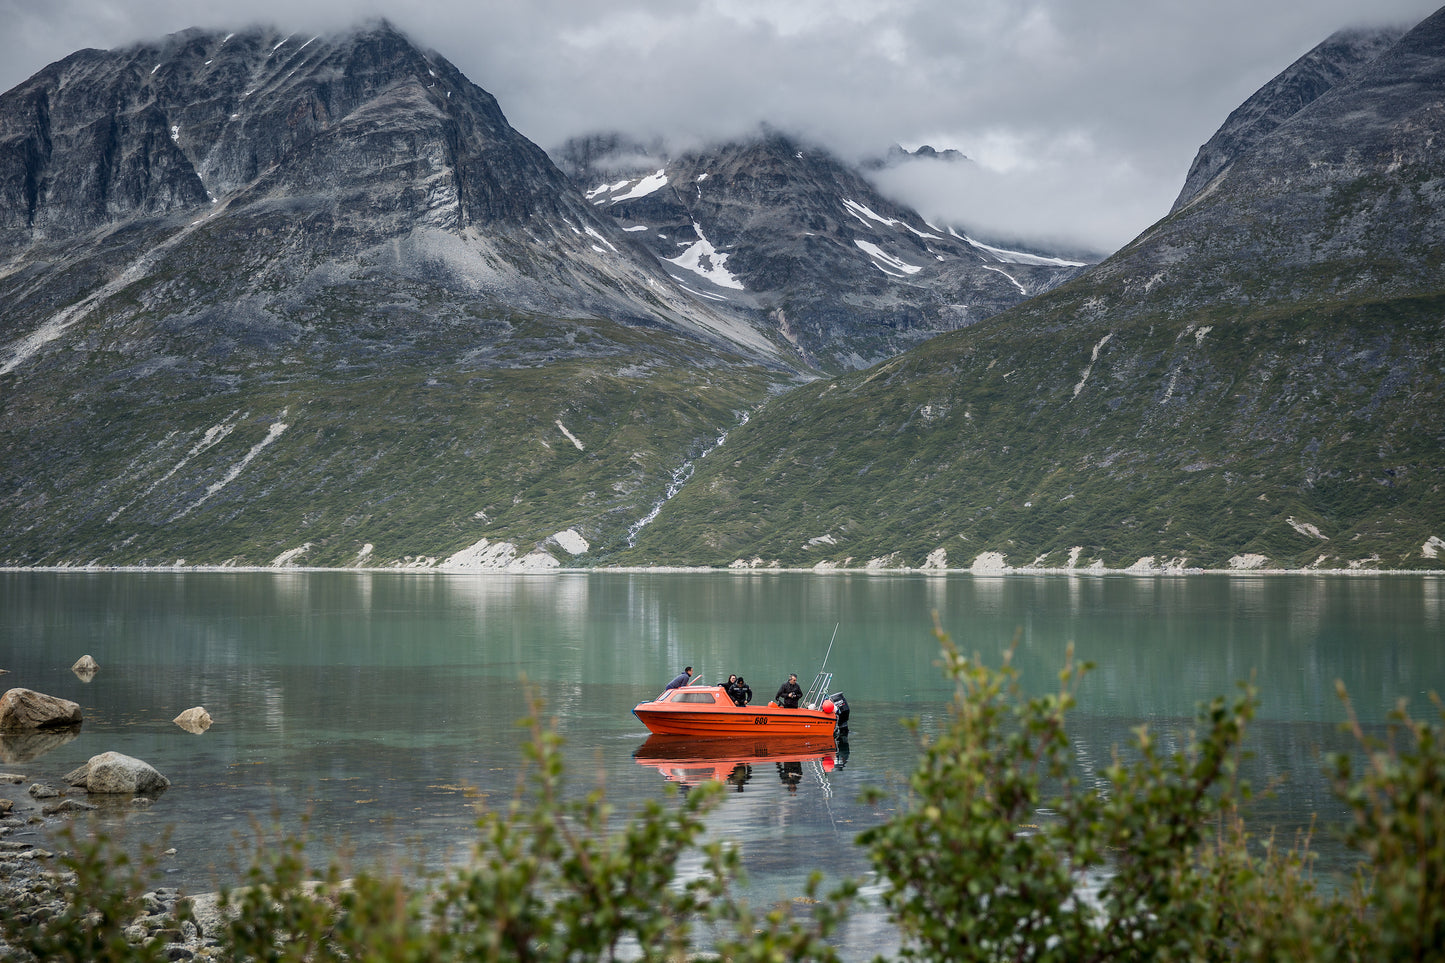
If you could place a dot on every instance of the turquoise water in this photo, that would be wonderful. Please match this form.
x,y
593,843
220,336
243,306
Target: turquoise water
x,y
377,705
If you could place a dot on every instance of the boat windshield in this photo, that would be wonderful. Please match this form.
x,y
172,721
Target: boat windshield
x,y
707,697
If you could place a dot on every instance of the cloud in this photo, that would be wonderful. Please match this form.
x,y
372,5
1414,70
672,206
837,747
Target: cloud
x,y
1083,118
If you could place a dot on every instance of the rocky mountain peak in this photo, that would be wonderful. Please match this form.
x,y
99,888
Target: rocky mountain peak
x,y
201,116
1331,62
781,227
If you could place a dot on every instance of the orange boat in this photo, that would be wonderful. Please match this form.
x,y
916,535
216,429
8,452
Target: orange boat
x,y
706,710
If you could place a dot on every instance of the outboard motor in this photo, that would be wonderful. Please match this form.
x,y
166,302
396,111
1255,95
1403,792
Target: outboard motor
x,y
840,715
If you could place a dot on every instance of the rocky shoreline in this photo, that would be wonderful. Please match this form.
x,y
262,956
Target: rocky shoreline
x,y
34,881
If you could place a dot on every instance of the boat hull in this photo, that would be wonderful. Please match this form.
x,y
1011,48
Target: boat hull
x,y
758,721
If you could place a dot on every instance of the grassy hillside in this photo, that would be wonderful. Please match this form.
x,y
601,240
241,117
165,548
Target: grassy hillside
x,y
417,457
1310,436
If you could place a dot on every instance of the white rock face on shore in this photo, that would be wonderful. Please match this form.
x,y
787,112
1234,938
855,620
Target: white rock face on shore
x,y
289,557
486,555
114,772
1151,564
990,563
937,559
22,710
571,542
1434,546
538,561
1245,563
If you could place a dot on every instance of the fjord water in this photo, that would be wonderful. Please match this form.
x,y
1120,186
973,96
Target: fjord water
x,y
379,707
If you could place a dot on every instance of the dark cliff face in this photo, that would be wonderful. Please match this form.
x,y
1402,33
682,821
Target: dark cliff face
x,y
1342,195
845,274
158,128
1332,62
261,156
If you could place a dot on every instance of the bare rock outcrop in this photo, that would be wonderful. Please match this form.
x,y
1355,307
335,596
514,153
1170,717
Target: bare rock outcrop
x,y
85,668
22,710
113,772
195,719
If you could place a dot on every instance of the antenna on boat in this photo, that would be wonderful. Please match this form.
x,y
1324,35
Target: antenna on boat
x,y
830,646
813,698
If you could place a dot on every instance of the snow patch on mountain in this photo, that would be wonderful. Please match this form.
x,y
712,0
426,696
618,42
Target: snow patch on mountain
x,y
865,214
702,259
641,188
998,270
882,260
1089,368
570,437
213,436
1016,257
648,185
1305,528
275,431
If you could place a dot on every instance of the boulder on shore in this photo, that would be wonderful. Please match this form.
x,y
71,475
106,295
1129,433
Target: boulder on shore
x,y
195,719
113,772
24,709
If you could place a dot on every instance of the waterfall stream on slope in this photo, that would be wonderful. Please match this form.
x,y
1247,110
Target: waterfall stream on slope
x,y
680,476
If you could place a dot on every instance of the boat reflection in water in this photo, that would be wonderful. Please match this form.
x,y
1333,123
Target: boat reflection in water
x,y
690,761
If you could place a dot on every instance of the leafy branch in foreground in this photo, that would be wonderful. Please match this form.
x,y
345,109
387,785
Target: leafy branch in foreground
x,y
1004,852
550,878
1398,811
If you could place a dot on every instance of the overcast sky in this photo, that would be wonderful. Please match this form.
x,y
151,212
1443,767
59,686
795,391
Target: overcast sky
x,y
1082,116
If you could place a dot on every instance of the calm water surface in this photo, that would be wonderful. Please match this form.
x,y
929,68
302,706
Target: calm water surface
x,y
377,705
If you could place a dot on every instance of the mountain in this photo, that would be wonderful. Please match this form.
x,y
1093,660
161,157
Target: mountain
x,y
313,300
1297,86
1254,382
898,154
803,244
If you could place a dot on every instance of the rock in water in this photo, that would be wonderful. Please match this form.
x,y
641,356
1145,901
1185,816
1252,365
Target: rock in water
x,y
195,719
24,709
113,772
85,668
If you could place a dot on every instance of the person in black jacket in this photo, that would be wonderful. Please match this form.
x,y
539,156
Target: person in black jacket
x,y
789,693
683,678
739,691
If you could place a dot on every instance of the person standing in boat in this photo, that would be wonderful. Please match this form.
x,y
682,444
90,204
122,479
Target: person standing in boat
x,y
682,679
739,691
789,693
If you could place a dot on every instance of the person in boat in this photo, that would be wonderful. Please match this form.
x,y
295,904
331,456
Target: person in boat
x,y
683,678
739,691
789,693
